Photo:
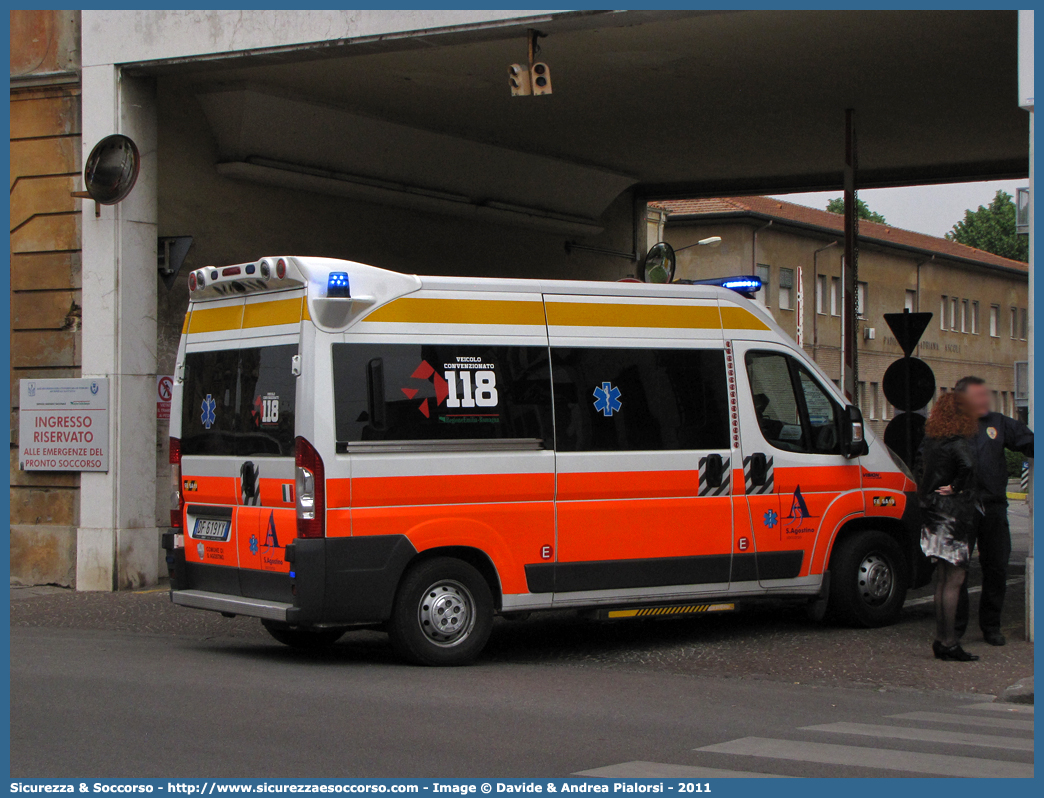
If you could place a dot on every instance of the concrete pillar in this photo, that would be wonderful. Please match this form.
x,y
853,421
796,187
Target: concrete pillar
x,y
117,539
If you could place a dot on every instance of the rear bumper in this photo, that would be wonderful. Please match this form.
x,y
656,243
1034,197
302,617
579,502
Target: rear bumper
x,y
332,582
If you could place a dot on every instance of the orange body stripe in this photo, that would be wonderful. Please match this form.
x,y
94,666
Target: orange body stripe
x,y
627,485
470,489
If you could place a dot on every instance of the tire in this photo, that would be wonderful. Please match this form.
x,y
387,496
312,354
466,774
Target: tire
x,y
443,613
868,580
302,638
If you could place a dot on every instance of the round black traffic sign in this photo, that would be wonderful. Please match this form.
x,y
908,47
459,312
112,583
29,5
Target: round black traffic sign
x,y
895,436
909,384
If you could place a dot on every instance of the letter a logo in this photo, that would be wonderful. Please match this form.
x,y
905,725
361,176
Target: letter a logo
x,y
271,540
798,508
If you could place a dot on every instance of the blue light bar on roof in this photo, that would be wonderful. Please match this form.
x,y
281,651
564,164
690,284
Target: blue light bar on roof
x,y
337,285
746,284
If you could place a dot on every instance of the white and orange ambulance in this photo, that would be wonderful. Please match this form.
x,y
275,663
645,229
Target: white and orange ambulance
x,y
356,447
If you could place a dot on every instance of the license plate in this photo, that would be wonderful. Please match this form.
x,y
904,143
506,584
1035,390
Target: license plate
x,y
211,528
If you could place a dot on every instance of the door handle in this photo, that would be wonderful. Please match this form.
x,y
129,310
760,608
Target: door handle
x,y
714,470
758,468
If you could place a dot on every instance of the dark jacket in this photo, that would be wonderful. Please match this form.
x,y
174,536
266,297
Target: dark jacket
x,y
991,467
951,519
947,461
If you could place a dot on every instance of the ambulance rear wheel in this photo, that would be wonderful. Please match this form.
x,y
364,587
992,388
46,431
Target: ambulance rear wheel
x,y
443,613
302,638
868,579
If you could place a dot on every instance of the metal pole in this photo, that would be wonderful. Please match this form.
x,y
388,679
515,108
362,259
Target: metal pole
x,y
850,270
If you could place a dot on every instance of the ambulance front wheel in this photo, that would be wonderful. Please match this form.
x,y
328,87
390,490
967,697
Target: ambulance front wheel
x,y
443,613
302,638
868,579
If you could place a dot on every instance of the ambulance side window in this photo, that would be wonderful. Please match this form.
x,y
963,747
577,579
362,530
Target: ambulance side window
x,y
640,399
794,413
239,402
429,392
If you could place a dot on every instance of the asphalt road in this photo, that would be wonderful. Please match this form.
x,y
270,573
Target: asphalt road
x,y
128,685
108,704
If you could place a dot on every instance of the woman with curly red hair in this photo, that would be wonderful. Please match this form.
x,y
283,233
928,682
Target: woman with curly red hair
x,y
949,505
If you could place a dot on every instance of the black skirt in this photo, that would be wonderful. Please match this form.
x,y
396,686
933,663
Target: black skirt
x,y
949,528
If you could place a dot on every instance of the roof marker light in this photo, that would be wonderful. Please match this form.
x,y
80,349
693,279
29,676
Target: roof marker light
x,y
266,271
230,271
201,281
337,285
250,268
746,284
192,281
213,275
281,268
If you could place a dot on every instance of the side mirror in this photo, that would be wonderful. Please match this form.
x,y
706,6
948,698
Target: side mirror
x,y
658,266
853,438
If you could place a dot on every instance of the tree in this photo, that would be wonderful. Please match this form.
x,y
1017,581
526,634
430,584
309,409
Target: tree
x,y
991,228
837,205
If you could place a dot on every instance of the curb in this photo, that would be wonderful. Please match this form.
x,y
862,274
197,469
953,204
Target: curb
x,y
1019,497
1019,693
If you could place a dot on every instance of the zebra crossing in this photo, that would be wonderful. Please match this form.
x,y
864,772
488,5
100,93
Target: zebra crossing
x,y
972,736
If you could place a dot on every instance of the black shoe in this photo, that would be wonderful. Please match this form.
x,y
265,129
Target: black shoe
x,y
954,653
994,638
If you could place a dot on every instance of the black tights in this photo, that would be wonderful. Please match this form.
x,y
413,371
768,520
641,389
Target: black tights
x,y
948,581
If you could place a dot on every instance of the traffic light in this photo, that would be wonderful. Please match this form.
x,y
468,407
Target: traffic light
x,y
518,76
540,75
908,385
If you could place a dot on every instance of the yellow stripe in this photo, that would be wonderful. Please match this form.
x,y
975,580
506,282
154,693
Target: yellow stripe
x,y
204,320
736,318
184,324
278,311
604,314
622,613
427,310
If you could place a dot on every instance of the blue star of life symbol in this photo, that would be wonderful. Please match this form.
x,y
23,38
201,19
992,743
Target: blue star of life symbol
x,y
607,399
209,405
771,519
253,544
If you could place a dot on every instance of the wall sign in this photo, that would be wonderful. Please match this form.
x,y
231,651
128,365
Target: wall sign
x,y
63,425
164,389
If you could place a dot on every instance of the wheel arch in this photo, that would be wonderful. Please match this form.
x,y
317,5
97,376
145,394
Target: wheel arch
x,y
895,529
474,557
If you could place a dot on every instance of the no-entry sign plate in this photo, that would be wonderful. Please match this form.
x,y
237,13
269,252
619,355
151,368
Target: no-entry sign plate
x,y
63,425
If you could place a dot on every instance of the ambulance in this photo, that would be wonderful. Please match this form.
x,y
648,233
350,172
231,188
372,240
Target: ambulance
x,y
358,448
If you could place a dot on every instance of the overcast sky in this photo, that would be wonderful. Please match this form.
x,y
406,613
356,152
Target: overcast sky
x,y
925,209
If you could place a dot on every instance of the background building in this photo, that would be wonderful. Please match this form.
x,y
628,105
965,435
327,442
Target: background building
x,y
980,300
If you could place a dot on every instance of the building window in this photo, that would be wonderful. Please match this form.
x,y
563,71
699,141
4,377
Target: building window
x,y
861,300
835,296
821,294
786,289
1014,323
996,402
873,400
942,312
765,273
964,315
975,318
1023,323
911,301
953,313
995,321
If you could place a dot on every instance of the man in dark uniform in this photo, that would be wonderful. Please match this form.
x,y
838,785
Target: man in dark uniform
x,y
996,433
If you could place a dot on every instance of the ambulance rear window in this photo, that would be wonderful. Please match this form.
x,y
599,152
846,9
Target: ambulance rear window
x,y
640,399
426,392
239,402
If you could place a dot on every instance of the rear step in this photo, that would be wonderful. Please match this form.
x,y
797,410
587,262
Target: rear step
x,y
231,605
